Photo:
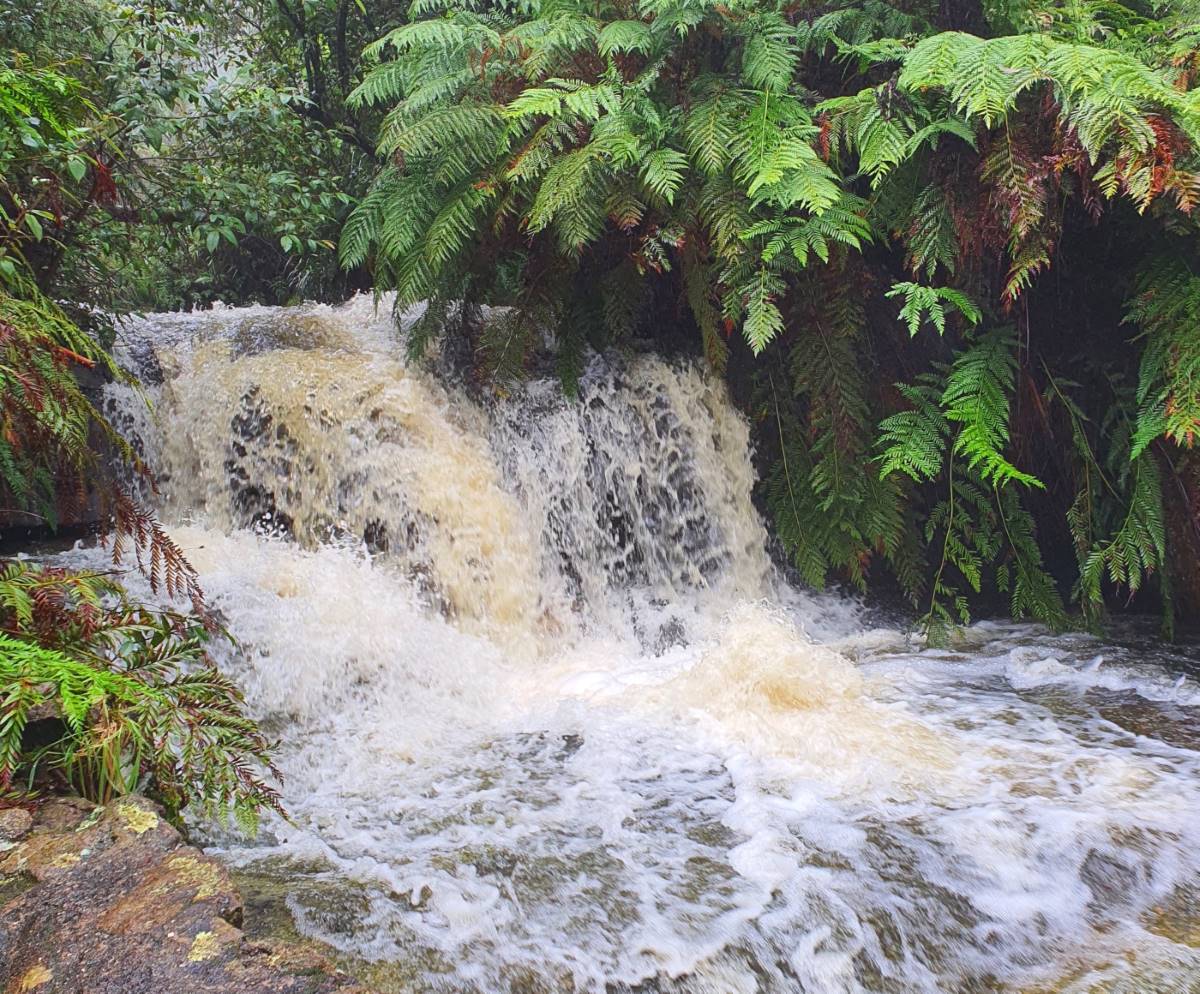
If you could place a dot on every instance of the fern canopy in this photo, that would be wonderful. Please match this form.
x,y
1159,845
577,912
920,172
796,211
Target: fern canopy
x,y
769,179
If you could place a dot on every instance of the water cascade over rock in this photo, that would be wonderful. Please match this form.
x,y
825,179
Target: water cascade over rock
x,y
551,721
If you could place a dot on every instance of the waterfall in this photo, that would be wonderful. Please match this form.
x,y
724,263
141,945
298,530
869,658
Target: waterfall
x,y
551,720
526,512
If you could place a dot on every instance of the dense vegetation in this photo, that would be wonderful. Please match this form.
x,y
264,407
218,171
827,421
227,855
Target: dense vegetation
x,y
960,241
137,704
120,188
165,155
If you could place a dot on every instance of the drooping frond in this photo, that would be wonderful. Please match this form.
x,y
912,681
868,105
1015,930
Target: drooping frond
x,y
928,303
913,442
976,398
1166,307
1137,547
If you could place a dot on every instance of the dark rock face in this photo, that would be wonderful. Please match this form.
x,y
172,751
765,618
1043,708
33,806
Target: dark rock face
x,y
111,901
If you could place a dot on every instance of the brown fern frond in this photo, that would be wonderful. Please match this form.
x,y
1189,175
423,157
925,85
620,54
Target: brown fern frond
x,y
156,555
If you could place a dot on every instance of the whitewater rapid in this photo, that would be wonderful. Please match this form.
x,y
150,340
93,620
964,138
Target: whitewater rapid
x,y
551,720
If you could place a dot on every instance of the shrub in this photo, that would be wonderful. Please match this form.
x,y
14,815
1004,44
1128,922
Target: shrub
x,y
122,698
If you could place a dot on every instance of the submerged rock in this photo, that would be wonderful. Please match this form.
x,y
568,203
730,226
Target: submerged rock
x,y
112,900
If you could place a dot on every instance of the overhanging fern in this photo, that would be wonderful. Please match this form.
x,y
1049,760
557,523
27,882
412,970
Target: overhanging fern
x,y
763,179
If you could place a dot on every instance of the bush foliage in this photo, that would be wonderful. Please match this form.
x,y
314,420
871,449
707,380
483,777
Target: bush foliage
x,y
960,242
123,696
130,697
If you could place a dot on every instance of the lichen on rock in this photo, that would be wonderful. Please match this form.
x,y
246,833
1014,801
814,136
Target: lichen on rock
x,y
198,872
34,978
139,820
204,946
112,901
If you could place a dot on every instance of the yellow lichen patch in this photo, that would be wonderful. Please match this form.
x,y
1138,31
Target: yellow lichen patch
x,y
41,852
200,874
204,946
34,977
139,820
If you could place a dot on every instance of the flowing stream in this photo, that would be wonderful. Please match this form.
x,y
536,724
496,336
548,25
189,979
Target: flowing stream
x,y
552,722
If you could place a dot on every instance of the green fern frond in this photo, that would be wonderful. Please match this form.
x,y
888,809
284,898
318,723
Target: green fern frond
x,y
913,442
926,303
1166,306
763,320
976,399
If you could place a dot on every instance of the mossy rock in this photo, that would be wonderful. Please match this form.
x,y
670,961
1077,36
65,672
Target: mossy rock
x,y
112,901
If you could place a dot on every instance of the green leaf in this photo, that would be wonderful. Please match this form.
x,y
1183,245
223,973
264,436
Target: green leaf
x,y
763,318
922,303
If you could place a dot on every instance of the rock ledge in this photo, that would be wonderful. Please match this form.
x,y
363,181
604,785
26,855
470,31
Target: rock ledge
x,y
112,901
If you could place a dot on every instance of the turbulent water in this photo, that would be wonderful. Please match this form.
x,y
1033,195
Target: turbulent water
x,y
551,721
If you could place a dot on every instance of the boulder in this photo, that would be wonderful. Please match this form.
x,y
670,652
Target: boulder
x,y
110,900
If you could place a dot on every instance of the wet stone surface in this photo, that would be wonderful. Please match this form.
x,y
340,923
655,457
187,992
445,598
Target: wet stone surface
x,y
112,900
14,824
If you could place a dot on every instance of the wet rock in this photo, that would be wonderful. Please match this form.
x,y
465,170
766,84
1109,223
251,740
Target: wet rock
x,y
670,635
14,823
111,900
1177,917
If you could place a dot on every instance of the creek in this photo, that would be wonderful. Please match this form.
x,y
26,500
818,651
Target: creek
x,y
551,719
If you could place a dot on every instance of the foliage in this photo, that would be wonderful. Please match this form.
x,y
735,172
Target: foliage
x,y
47,417
826,510
135,701
1166,306
958,429
51,136
52,431
928,303
616,169
158,155
114,166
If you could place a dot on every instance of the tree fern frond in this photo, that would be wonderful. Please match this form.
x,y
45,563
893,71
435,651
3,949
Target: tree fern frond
x,y
927,303
913,442
976,399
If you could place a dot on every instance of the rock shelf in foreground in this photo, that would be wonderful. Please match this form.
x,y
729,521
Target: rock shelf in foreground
x,y
111,900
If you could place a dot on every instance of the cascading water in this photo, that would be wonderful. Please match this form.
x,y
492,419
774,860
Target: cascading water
x,y
551,722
